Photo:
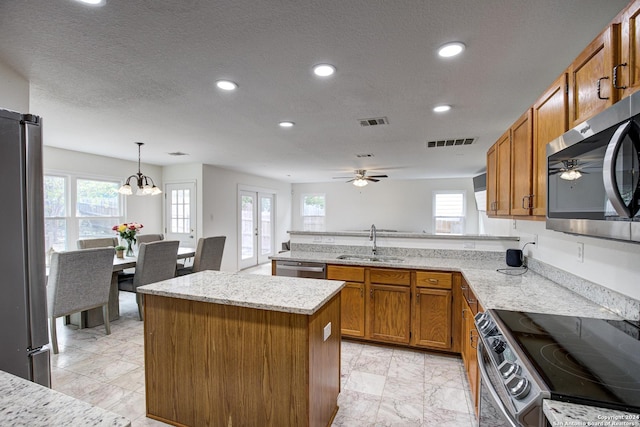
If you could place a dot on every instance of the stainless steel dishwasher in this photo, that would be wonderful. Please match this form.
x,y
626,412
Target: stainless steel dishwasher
x,y
312,270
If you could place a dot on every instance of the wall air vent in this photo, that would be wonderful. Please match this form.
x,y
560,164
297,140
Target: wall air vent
x,y
374,122
178,153
362,155
450,142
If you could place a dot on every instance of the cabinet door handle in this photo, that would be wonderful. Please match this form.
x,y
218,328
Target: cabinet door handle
x,y
523,199
615,76
361,292
463,310
417,297
371,293
531,196
598,86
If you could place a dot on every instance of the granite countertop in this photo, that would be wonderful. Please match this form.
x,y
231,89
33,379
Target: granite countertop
x,y
528,292
570,414
286,294
24,403
403,235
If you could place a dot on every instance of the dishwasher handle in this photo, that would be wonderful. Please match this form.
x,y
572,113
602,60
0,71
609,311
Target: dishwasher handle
x,y
300,268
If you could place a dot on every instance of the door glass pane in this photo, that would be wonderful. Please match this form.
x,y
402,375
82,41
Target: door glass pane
x,y
265,225
180,221
248,227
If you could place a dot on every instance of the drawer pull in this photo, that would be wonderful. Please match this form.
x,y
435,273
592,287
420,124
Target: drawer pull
x,y
433,280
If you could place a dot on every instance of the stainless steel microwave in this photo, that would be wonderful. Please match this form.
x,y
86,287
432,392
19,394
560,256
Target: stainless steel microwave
x,y
593,175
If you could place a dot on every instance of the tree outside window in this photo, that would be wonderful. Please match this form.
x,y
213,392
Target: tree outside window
x,y
313,212
449,212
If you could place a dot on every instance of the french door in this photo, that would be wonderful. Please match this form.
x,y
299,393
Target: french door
x,y
180,213
256,227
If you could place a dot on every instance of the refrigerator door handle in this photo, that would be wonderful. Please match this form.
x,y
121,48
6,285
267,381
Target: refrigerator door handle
x,y
36,273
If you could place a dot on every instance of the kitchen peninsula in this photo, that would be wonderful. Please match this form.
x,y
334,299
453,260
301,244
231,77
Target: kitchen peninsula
x,y
232,349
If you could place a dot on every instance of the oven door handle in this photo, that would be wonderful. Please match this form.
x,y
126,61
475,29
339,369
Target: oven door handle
x,y
299,268
494,395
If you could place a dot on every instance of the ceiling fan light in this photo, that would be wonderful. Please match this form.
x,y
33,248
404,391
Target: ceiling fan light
x,y
571,175
360,182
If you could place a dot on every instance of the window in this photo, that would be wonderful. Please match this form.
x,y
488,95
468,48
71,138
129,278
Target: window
x,y
313,212
448,212
97,208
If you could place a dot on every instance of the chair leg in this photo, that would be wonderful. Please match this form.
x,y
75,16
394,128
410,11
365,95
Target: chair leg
x,y
54,335
105,314
139,301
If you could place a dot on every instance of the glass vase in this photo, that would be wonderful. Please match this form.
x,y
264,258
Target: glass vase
x,y
129,251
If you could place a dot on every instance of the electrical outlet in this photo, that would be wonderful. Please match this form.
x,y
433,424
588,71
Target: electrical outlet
x,y
329,239
515,225
327,331
469,245
580,252
317,239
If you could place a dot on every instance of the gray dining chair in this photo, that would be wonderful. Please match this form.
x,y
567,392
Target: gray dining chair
x,y
78,280
102,242
156,262
148,238
208,255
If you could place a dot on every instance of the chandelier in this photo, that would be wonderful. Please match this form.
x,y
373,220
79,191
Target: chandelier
x,y
145,184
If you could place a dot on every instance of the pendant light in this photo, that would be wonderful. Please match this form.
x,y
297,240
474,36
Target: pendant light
x,y
146,186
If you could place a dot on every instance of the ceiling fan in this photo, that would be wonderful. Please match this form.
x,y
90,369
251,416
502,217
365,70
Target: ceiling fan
x,y
361,178
570,170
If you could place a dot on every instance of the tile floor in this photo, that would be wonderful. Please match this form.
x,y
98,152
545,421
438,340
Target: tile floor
x,y
381,386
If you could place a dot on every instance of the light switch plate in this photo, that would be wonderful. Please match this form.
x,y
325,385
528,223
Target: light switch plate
x,y
327,331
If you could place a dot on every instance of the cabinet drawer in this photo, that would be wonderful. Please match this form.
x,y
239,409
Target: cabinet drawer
x,y
390,277
348,274
432,279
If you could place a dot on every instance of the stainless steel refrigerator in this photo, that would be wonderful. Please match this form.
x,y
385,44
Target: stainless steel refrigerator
x,y
23,297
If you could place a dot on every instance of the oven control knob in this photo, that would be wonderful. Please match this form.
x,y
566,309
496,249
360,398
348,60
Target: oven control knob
x,y
486,326
498,345
509,368
519,387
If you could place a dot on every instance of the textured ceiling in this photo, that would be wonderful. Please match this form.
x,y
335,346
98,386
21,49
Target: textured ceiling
x,y
144,70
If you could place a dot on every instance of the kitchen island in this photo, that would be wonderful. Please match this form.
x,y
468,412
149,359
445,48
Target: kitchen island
x,y
230,349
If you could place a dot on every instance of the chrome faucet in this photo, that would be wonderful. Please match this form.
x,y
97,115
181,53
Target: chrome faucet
x,y
373,238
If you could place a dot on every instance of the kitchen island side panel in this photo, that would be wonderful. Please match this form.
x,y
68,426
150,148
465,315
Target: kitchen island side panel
x,y
213,364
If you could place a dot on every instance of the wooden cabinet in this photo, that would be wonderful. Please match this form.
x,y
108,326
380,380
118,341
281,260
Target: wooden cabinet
x,y
521,165
389,305
499,176
591,77
628,69
432,310
352,295
398,306
469,341
550,120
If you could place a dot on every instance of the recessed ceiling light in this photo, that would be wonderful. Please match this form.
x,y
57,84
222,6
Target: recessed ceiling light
x,y
441,108
92,2
286,124
324,70
226,85
451,49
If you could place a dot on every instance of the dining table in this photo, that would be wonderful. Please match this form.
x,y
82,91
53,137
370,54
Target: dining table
x,y
93,317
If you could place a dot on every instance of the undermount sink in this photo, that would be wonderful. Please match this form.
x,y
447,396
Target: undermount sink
x,y
374,258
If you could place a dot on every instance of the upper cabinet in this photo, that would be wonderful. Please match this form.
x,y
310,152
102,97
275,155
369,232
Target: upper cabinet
x,y
591,77
521,165
499,176
627,71
550,120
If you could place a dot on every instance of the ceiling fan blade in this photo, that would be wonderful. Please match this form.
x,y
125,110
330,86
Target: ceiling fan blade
x,y
378,176
341,177
351,180
368,178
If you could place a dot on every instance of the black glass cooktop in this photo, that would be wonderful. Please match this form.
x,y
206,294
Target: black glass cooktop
x,y
582,360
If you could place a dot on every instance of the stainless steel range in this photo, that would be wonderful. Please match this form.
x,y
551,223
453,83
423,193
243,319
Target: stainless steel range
x,y
527,357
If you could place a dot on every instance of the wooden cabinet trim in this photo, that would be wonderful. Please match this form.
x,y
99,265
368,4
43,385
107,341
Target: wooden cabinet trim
x,y
388,276
346,273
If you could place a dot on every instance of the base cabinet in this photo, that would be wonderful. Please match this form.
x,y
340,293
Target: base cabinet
x,y
396,306
469,342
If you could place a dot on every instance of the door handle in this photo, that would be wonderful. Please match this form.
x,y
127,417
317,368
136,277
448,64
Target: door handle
x,y
615,76
598,86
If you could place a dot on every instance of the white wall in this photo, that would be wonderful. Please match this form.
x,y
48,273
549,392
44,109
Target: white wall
x,y
146,210
14,90
615,265
403,205
220,208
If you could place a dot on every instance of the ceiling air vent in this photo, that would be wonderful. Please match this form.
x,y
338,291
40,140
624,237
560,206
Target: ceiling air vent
x,y
178,153
374,122
450,142
362,155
